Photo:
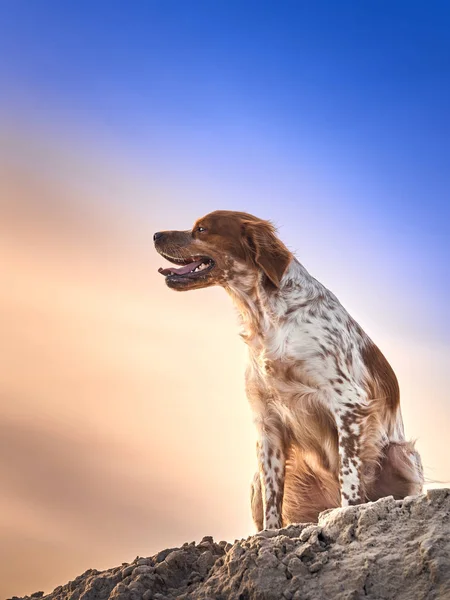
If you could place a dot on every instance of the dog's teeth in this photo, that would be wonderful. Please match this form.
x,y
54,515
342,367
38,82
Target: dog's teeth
x,y
200,267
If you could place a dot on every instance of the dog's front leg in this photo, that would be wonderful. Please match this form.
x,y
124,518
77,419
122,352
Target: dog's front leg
x,y
271,461
350,433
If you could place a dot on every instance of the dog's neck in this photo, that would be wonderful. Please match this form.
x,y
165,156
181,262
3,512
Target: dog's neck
x,y
261,306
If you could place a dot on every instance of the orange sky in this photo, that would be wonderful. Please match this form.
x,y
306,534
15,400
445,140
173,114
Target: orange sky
x,y
124,426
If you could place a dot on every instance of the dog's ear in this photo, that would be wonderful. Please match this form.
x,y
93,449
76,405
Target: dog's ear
x,y
265,249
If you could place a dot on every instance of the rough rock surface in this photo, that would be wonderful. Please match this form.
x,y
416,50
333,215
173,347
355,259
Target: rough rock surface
x,y
383,550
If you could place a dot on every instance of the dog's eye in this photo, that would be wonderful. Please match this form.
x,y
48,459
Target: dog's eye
x,y
200,229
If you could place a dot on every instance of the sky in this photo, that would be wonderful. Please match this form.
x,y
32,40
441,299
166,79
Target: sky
x,y
125,424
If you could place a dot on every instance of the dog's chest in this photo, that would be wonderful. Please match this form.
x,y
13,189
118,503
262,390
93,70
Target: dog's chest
x,y
286,355
304,351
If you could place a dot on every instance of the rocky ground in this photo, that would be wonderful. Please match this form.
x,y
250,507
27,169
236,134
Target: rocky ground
x,y
384,550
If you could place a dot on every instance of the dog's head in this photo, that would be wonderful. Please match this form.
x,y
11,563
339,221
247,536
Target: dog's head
x,y
222,248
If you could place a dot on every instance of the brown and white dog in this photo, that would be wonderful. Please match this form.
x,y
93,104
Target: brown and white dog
x,y
325,400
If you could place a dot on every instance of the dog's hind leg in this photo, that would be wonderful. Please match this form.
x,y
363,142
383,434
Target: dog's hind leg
x,y
400,472
309,489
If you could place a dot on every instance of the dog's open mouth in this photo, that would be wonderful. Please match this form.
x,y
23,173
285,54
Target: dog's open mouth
x,y
192,267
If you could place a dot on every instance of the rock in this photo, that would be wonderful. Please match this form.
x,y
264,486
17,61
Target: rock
x,y
127,571
142,569
143,561
390,550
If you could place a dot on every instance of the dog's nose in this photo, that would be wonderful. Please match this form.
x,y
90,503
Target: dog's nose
x,y
157,235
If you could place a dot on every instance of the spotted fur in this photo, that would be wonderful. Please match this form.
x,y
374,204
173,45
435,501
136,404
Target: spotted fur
x,y
324,398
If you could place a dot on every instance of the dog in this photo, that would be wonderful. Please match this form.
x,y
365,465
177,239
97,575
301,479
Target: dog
x,y
325,400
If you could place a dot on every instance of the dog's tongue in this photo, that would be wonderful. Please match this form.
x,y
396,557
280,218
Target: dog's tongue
x,y
180,270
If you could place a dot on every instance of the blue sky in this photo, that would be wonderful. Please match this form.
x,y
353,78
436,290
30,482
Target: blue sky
x,y
330,117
